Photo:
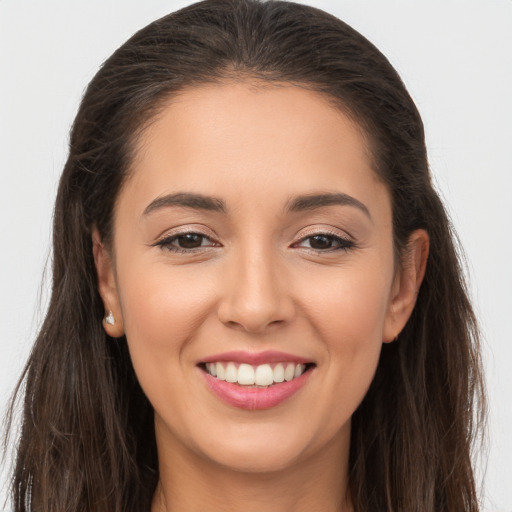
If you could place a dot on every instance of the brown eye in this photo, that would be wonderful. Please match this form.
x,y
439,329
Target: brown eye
x,y
189,240
320,242
324,242
186,242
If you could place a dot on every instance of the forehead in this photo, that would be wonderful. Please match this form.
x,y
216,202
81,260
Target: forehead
x,y
254,109
239,137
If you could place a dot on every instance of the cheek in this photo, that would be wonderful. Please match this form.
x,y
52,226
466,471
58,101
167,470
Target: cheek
x,y
348,314
348,306
156,295
162,307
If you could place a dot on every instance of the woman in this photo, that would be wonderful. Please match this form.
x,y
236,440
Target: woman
x,y
256,299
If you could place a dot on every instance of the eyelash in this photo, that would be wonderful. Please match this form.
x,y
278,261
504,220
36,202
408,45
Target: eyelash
x,y
343,244
166,243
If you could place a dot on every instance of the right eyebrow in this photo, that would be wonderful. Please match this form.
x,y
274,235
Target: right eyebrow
x,y
187,200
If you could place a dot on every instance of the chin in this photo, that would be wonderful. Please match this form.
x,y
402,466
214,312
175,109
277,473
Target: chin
x,y
253,458
270,448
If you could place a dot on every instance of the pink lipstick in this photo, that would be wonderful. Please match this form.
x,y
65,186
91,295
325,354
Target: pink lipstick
x,y
255,381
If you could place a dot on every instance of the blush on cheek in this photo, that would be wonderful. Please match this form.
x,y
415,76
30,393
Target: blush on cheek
x,y
162,308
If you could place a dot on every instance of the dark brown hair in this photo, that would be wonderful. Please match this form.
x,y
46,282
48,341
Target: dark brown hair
x,y
87,439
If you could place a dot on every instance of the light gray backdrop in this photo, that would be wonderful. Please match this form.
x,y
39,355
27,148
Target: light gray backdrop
x,y
454,56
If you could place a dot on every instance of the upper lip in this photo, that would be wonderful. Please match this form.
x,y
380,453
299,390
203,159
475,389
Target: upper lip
x,y
256,358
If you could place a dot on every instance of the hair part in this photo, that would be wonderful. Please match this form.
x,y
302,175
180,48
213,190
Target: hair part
x,y
87,440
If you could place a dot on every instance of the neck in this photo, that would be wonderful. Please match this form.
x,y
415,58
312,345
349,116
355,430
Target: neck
x,y
189,483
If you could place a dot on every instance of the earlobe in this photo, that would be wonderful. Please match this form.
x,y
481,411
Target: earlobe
x,y
107,287
406,285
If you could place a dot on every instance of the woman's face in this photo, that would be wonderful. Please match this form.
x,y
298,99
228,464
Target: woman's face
x,y
253,240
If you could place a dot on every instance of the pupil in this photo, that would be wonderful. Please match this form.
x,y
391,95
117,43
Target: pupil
x,y
190,241
320,242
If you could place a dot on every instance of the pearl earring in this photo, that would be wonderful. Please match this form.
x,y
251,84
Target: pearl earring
x,y
109,318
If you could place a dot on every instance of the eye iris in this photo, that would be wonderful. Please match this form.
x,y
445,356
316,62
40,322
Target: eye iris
x,y
190,240
320,242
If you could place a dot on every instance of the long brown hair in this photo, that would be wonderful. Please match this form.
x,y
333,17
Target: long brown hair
x,y
87,440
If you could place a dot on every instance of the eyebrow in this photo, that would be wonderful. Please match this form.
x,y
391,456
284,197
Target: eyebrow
x,y
294,204
187,200
314,201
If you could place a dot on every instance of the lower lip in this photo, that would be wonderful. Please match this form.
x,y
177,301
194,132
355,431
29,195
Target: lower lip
x,y
254,398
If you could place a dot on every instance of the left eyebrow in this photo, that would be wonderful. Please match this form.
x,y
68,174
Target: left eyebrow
x,y
314,201
186,200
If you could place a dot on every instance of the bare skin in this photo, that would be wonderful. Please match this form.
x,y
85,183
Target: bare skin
x,y
255,266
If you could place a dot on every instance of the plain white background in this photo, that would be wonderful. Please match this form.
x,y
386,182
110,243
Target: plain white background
x,y
455,58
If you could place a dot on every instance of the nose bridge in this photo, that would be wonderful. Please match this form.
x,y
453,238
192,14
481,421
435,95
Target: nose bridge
x,y
254,293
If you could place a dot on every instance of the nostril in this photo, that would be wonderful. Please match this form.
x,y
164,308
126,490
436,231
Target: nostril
x,y
254,298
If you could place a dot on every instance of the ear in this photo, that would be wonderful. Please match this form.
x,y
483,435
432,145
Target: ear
x,y
406,284
107,286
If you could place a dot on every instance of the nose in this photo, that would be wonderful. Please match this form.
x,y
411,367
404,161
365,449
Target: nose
x,y
255,293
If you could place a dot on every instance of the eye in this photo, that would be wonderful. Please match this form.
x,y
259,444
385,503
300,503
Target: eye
x,y
324,242
190,240
186,242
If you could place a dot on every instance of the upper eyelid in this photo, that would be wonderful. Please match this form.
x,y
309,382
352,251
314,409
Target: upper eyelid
x,y
324,230
302,234
178,235
341,245
184,230
167,242
342,239
168,239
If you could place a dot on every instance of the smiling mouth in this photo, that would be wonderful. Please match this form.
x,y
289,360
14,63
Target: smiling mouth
x,y
262,375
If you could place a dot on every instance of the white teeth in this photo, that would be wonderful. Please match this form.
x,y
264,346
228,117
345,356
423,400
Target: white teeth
x,y
299,370
245,375
221,374
212,369
261,375
231,373
279,373
289,372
